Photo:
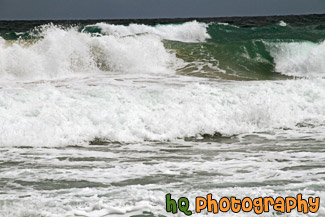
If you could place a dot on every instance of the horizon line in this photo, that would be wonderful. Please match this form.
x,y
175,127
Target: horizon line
x,y
161,18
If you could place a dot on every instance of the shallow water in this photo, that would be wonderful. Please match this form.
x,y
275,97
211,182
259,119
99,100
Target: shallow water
x,y
106,179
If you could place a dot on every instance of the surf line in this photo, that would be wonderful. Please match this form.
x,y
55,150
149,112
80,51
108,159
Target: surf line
x,y
247,204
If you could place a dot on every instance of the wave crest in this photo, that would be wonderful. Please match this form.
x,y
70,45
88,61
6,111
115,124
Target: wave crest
x,y
186,32
62,53
300,59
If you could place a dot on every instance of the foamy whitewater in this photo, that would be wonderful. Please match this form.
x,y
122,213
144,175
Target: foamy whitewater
x,y
105,119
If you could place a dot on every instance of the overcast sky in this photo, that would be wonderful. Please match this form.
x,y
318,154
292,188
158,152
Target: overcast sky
x,y
108,9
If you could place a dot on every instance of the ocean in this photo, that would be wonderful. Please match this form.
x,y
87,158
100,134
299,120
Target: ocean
x,y
106,117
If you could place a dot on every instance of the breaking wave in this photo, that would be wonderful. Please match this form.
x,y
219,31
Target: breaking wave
x,y
301,59
134,88
48,116
59,52
186,32
63,53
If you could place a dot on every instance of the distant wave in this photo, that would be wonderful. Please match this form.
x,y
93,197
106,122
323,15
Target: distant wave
x,y
186,32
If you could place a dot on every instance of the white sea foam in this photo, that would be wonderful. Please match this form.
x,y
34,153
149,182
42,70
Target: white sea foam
x,y
136,110
186,32
301,59
236,169
227,24
64,53
44,115
282,23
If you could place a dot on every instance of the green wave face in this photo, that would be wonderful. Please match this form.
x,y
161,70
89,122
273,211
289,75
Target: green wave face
x,y
277,31
244,53
241,60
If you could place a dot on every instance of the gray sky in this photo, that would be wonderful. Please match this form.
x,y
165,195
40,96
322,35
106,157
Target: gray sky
x,y
108,9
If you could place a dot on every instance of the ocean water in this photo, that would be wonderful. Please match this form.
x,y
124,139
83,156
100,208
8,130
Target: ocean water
x,y
104,118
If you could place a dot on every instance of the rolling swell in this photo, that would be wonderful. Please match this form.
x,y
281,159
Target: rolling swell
x,y
224,48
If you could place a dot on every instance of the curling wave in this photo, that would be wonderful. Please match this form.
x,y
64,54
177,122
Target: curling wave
x,y
61,53
301,59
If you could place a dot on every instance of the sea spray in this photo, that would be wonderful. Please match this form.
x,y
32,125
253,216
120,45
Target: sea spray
x,y
63,53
